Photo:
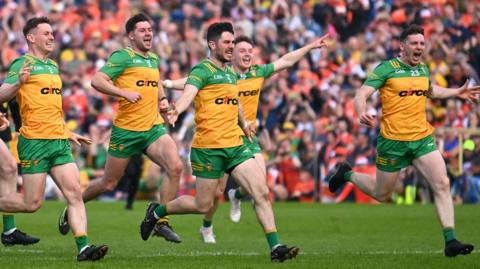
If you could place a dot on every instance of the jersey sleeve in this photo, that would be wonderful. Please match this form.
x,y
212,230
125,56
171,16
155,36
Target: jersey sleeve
x,y
377,78
197,77
115,64
265,70
14,70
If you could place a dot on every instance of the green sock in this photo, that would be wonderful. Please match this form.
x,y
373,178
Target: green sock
x,y
238,194
81,241
448,234
8,222
348,175
160,211
272,238
207,223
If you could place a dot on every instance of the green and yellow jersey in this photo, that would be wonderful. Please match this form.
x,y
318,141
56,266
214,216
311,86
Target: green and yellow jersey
x,y
133,72
216,106
250,85
403,91
40,99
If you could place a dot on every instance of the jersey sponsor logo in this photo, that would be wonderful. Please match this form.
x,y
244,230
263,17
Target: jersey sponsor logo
x,y
51,90
38,68
413,93
147,83
249,93
217,76
226,101
399,71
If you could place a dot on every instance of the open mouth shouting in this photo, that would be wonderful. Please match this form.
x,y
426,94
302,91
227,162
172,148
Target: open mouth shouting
x,y
246,60
417,56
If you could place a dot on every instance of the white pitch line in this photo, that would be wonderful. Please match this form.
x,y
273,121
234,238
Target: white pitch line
x,y
21,250
232,253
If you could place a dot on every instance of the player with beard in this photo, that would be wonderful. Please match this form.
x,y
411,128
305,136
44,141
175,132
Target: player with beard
x,y
250,81
406,136
132,74
217,146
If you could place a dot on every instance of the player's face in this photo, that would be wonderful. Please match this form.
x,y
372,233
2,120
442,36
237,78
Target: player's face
x,y
223,48
42,38
243,55
412,49
142,36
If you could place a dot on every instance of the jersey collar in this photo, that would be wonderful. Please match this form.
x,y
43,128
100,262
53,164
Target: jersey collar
x,y
138,53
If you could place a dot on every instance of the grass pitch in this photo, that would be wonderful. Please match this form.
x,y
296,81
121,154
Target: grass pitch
x,y
330,236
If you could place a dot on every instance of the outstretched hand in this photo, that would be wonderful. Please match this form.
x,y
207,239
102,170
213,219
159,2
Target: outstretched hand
x,y
320,42
470,94
4,123
78,139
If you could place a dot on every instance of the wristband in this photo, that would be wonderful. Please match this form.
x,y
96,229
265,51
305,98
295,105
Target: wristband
x,y
168,83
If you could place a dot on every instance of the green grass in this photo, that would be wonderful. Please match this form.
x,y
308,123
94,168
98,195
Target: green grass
x,y
330,236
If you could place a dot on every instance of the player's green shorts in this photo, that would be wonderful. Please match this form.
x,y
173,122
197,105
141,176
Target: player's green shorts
x,y
253,146
40,155
393,155
213,163
125,143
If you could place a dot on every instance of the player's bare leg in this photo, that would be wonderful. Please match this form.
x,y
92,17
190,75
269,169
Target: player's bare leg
x,y
380,187
114,170
235,195
67,178
163,152
432,166
250,176
16,202
206,231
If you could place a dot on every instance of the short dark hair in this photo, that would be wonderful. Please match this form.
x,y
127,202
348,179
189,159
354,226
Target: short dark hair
x,y
243,38
412,29
33,23
215,30
130,25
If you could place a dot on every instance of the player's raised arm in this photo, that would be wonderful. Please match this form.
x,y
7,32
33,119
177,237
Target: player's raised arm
x,y
17,76
289,59
177,84
465,92
361,97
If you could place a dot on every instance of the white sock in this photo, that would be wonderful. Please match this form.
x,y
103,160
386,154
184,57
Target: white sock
x,y
9,232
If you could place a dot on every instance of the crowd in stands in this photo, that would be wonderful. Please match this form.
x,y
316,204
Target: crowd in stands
x,y
307,121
